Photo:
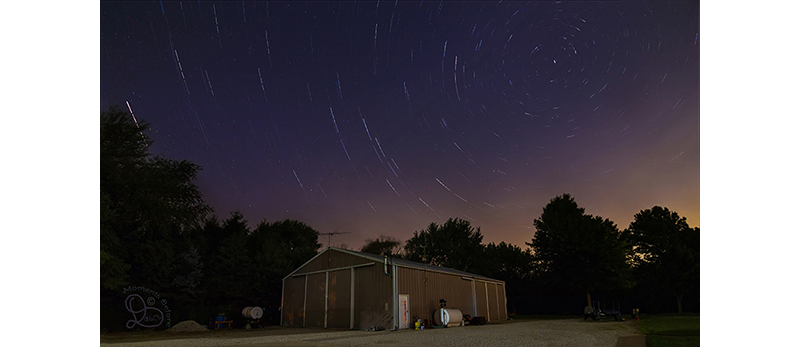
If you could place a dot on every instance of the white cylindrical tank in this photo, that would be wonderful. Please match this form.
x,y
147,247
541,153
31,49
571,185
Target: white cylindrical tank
x,y
252,312
448,317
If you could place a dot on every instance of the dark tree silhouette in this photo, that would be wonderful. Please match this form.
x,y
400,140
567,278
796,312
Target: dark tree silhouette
x,y
576,251
277,249
290,243
513,265
454,244
230,266
157,232
509,263
246,267
148,205
383,245
667,253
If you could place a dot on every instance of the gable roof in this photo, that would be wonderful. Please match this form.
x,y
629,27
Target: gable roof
x,y
400,262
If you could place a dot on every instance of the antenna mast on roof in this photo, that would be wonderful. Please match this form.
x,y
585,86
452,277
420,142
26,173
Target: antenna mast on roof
x,y
333,233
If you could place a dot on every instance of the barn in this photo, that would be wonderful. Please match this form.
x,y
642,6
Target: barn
x,y
344,289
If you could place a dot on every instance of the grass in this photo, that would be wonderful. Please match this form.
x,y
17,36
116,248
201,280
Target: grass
x,y
671,330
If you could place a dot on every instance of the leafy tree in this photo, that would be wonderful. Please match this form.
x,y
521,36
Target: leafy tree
x,y
209,236
114,269
147,204
383,245
454,244
277,249
246,267
298,242
189,273
510,263
576,251
230,264
513,265
667,252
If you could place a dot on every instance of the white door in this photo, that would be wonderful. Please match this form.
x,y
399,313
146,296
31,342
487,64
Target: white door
x,y
403,308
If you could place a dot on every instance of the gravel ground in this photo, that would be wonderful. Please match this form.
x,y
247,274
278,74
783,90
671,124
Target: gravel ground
x,y
568,332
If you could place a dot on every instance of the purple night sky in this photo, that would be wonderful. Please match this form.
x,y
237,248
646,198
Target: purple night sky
x,y
382,117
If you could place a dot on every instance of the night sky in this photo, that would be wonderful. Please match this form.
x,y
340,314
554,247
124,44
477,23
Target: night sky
x,y
381,117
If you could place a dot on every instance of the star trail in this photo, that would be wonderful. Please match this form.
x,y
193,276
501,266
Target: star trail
x,y
382,117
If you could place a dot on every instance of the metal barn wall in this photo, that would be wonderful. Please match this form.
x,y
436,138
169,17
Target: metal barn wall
x,y
294,290
501,297
494,308
372,297
333,259
338,309
315,301
341,290
480,298
491,300
425,288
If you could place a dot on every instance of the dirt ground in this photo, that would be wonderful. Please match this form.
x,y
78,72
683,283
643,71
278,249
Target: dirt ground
x,y
563,332
142,336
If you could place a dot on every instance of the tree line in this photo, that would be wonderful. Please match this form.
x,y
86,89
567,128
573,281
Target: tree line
x,y
157,232
654,264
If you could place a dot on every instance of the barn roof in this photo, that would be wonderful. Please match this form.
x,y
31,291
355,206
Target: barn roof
x,y
403,263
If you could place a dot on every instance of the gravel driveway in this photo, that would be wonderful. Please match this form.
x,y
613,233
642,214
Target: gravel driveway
x,y
567,332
